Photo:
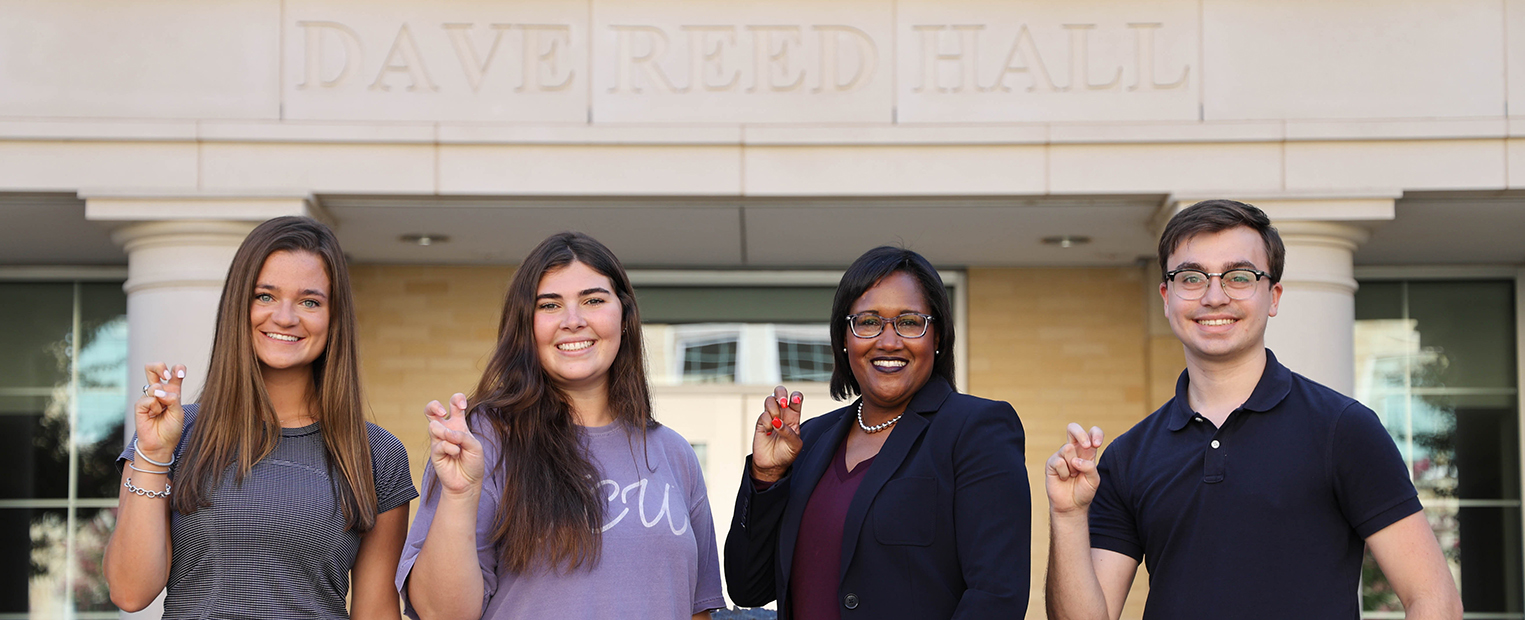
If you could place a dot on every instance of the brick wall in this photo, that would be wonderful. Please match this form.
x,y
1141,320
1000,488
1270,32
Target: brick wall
x,y
425,333
1069,345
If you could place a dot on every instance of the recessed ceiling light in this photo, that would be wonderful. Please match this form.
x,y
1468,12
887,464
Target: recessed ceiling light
x,y
424,239
1066,241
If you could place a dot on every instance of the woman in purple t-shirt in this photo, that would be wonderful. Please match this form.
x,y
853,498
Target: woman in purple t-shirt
x,y
555,493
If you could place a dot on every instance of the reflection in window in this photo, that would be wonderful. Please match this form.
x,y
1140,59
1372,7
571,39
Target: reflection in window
x,y
711,362
1436,361
804,361
63,392
737,353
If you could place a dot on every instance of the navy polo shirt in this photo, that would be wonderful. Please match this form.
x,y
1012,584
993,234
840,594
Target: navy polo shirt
x,y
1265,517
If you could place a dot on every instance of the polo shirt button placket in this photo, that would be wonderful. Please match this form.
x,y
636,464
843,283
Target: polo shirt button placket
x,y
850,601
1214,462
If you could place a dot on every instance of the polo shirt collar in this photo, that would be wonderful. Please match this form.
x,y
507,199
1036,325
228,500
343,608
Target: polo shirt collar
x,y
1275,383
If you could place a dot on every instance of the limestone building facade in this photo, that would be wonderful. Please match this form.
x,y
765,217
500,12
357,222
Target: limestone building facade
x,y
738,156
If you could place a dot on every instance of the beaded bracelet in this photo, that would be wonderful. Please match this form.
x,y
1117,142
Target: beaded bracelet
x,y
137,490
150,461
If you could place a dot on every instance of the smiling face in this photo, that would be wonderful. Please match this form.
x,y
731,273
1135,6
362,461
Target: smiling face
x,y
290,310
1216,328
890,369
577,326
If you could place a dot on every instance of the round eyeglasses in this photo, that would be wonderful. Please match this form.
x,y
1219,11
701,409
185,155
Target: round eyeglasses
x,y
870,325
1191,284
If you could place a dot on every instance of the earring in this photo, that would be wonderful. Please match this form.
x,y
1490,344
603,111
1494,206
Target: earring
x,y
844,349
937,352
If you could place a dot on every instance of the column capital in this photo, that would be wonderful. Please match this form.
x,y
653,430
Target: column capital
x,y
1370,207
1319,255
1333,234
179,254
143,207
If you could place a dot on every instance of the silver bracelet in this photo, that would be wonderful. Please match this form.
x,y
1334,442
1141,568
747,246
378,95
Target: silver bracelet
x,y
146,471
150,461
137,490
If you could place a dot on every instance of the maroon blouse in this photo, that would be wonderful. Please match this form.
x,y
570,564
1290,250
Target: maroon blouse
x,y
817,568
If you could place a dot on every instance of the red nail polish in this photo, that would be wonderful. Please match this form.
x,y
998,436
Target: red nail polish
x,y
778,423
796,399
769,433
783,401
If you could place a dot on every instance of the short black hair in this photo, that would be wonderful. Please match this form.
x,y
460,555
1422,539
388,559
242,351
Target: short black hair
x,y
873,266
1210,216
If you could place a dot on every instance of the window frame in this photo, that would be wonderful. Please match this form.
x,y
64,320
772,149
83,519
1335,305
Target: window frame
x,y
1470,272
76,276
953,280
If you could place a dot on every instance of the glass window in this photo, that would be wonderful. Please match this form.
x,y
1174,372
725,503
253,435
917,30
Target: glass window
x,y
63,396
749,335
1436,361
710,362
803,360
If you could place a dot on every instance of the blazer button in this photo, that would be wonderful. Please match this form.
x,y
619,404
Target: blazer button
x,y
850,601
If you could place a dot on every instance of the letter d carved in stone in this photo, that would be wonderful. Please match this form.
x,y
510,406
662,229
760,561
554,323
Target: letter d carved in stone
x,y
315,65
831,53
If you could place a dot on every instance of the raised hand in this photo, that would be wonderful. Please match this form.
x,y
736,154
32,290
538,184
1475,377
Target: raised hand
x,y
158,416
454,451
1070,476
776,439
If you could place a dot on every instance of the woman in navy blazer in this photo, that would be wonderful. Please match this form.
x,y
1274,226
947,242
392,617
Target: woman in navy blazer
x,y
911,502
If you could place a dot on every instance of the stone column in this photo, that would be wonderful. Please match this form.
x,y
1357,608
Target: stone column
x,y
178,252
175,271
1313,332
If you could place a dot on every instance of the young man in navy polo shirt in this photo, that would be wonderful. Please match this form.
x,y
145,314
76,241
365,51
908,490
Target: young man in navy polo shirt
x,y
1254,491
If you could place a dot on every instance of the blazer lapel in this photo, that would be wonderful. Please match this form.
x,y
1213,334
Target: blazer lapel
x,y
906,434
808,469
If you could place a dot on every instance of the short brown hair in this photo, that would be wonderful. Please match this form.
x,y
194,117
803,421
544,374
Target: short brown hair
x,y
1210,216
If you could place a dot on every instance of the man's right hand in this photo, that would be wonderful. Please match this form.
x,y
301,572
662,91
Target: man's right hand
x,y
1070,475
776,437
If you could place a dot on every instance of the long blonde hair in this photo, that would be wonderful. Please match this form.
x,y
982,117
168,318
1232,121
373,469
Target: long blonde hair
x,y
237,426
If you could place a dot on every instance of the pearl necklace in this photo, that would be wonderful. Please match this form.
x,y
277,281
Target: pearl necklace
x,y
877,427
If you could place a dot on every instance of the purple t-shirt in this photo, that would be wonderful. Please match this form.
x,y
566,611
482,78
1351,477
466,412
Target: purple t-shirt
x,y
658,560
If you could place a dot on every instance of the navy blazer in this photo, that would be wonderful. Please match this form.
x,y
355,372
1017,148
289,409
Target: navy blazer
x,y
940,527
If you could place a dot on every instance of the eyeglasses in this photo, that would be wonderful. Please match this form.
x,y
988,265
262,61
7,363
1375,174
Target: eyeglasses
x,y
1191,284
870,325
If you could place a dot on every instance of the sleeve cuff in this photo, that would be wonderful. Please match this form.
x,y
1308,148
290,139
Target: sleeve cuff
x,y
1118,545
1388,517
760,486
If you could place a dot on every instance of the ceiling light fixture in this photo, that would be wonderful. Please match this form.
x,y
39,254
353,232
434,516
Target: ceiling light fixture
x,y
1066,241
424,239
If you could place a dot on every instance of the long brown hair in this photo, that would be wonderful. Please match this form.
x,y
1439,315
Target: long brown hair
x,y
550,513
237,426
